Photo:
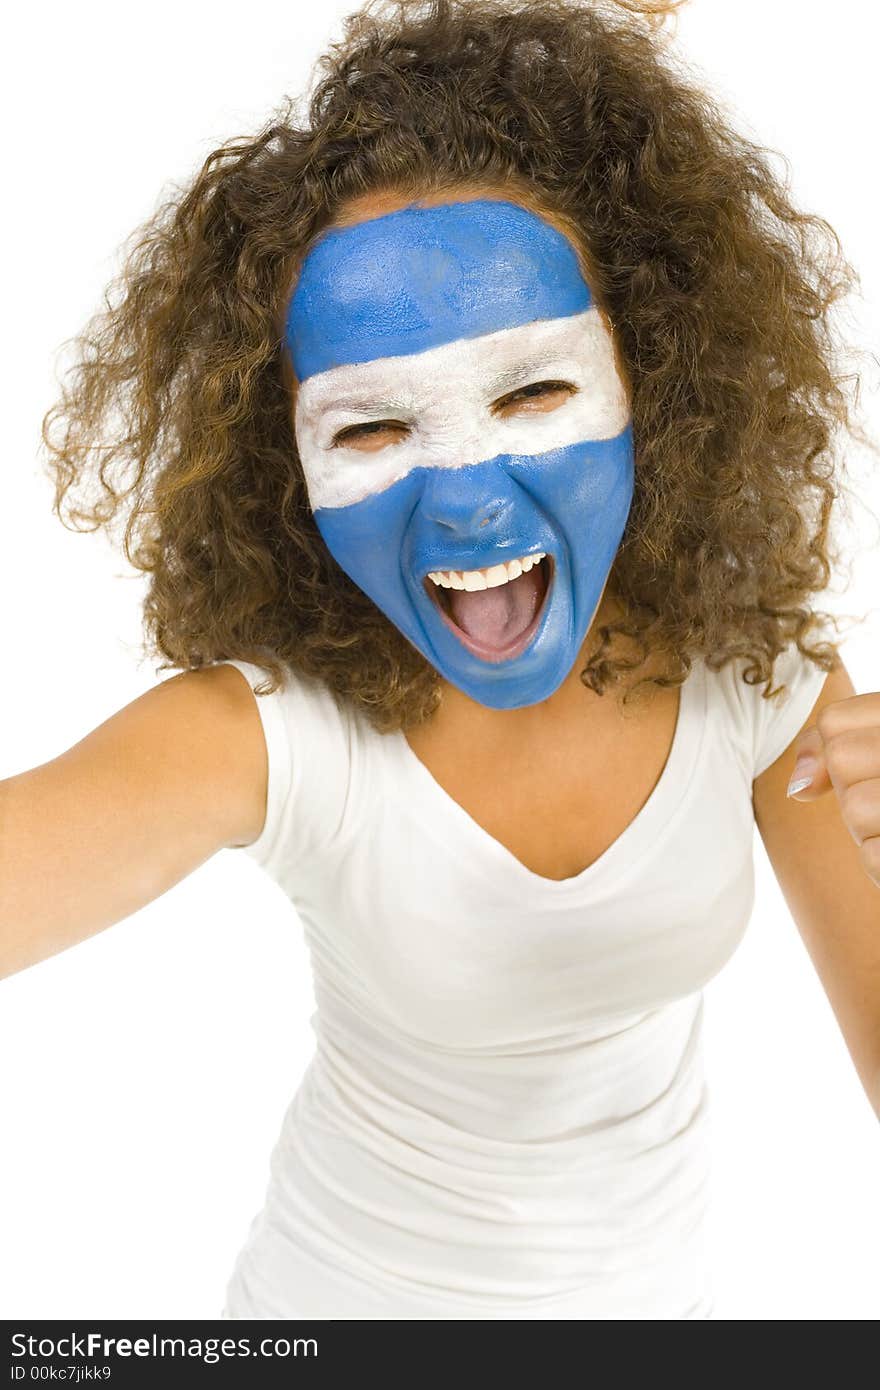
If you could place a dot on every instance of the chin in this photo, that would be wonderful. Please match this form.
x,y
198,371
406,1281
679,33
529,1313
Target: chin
x,y
528,679
516,691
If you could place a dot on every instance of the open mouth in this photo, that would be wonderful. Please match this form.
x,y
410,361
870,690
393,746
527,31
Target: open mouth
x,y
494,612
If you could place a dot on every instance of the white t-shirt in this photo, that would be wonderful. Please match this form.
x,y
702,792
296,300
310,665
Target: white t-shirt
x,y
505,1115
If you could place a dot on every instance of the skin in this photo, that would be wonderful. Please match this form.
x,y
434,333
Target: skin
x,y
544,810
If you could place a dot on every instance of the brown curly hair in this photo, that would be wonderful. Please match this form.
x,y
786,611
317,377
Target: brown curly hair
x,y
178,412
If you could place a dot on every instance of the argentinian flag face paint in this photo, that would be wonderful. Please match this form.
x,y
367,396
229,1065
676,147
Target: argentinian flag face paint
x,y
420,340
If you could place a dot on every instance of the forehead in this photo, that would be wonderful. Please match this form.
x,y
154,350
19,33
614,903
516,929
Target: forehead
x,y
419,277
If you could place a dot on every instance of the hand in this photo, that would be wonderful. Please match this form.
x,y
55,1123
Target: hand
x,y
841,753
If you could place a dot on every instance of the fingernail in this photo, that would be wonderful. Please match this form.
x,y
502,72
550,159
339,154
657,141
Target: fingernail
x,y
804,770
798,785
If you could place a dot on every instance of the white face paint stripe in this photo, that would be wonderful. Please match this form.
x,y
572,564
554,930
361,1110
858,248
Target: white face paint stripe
x,y
444,396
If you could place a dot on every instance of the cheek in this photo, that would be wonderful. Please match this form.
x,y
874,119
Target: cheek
x,y
585,490
368,538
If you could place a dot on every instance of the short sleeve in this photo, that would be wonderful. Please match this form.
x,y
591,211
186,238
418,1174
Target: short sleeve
x,y
778,720
278,757
308,751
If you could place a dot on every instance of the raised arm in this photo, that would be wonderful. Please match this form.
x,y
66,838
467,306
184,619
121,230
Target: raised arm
x,y
116,820
818,860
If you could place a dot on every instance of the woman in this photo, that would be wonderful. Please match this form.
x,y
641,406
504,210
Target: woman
x,y
489,413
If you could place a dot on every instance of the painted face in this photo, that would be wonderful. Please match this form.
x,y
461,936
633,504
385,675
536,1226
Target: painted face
x,y
465,436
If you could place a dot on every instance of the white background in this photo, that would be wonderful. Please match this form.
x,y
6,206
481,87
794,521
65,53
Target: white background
x,y
144,1074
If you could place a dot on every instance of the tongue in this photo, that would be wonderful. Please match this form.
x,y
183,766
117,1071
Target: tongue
x,y
496,617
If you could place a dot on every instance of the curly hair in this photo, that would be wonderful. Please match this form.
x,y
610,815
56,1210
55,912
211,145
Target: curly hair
x,y
177,415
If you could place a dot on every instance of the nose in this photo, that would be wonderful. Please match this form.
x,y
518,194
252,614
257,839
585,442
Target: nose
x,y
456,500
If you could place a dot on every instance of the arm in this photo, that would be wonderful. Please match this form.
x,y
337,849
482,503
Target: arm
x,y
822,868
112,823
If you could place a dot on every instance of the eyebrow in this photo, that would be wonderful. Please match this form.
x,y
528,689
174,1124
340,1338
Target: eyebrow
x,y
521,370
517,375
365,405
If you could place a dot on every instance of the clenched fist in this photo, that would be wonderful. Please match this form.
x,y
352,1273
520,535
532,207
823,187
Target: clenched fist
x,y
841,753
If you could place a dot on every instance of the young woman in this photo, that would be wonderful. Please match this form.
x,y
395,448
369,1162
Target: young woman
x,y
477,435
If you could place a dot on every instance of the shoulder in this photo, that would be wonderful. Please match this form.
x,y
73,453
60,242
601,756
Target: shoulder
x,y
304,753
832,690
219,695
211,714
764,720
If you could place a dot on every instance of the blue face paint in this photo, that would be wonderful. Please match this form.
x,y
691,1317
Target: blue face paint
x,y
420,277
419,318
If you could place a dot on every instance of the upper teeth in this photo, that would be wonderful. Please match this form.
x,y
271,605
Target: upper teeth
x,y
486,578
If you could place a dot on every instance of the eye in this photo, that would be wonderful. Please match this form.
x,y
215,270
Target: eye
x,y
538,398
370,437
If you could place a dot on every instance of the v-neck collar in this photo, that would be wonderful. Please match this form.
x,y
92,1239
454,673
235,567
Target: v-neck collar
x,y
429,797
